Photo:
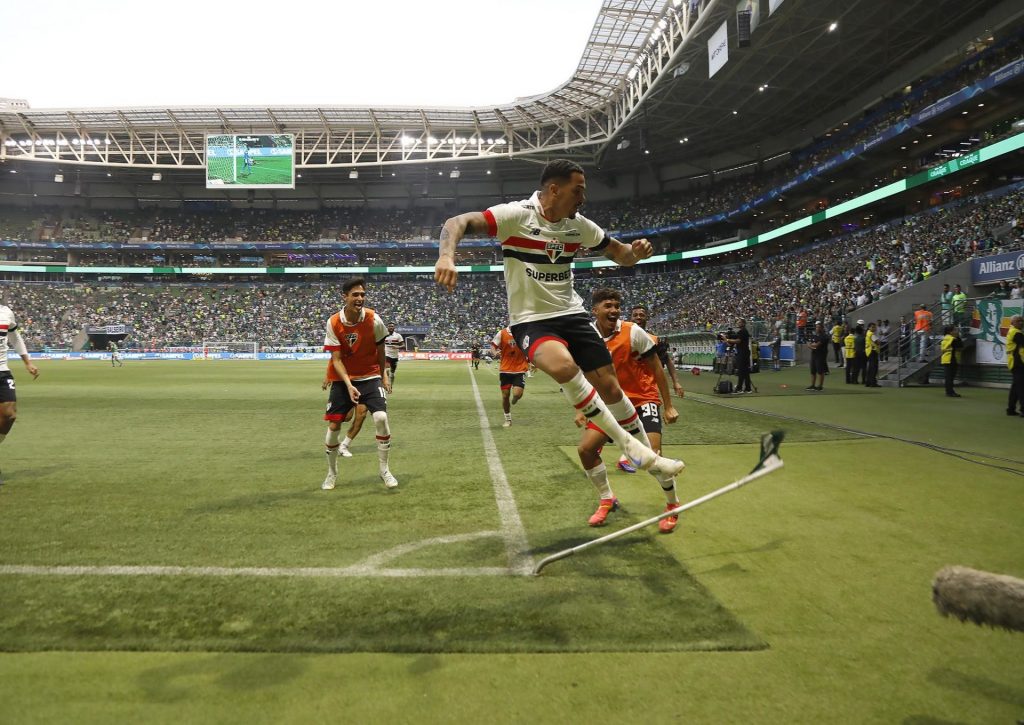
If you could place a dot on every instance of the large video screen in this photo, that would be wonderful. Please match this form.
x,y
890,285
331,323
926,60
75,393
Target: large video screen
x,y
250,161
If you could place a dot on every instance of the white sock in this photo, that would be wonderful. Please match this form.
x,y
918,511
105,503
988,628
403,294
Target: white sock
x,y
668,487
508,416
331,443
582,395
629,419
598,476
383,452
345,443
380,421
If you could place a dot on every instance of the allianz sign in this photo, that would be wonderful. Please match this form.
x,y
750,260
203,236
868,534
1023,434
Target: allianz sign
x,y
996,268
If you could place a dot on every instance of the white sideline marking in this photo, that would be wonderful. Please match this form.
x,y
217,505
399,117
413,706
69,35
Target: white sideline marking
x,y
238,571
372,566
516,545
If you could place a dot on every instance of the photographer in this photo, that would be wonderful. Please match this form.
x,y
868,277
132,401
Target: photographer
x,y
741,341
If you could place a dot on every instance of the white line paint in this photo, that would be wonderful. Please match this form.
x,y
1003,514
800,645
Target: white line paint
x,y
249,571
516,545
372,566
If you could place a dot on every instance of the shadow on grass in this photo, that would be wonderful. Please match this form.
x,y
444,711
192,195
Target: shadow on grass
x,y
176,682
981,686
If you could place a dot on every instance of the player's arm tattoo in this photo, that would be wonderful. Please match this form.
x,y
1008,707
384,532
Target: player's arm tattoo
x,y
456,227
447,242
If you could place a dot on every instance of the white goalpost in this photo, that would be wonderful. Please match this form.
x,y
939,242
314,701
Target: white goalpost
x,y
230,350
220,162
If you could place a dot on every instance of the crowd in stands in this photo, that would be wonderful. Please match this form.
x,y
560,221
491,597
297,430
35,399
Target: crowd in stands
x,y
829,280
213,225
832,278
705,200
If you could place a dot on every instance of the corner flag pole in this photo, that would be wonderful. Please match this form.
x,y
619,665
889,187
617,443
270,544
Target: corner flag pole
x,y
768,463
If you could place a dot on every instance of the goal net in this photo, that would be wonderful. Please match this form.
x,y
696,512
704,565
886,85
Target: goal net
x,y
230,350
220,159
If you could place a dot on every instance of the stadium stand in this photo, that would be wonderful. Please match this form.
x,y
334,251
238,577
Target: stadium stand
x,y
830,278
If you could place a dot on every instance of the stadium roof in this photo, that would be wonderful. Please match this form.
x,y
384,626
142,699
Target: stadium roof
x,y
645,66
621,31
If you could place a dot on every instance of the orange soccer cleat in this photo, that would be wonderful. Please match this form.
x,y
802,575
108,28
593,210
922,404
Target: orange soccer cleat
x,y
668,524
606,506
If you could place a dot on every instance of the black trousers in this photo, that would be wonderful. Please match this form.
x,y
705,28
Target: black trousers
x,y
950,369
743,373
871,370
859,365
1016,389
851,370
837,348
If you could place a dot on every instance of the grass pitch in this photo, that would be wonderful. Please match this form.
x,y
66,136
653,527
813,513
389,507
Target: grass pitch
x,y
803,598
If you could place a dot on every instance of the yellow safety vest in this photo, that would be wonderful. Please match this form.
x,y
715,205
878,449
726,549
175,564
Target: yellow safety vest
x,y
1014,348
869,343
948,354
837,334
851,347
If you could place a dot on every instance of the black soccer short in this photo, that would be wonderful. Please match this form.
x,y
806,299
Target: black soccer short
x,y
819,364
7,388
574,331
392,363
512,380
650,419
371,394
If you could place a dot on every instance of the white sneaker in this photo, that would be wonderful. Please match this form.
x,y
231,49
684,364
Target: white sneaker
x,y
643,457
389,480
507,424
328,483
344,452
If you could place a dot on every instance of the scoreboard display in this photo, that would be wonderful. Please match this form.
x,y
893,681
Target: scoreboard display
x,y
250,161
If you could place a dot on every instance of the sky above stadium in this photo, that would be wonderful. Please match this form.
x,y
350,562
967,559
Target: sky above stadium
x,y
107,53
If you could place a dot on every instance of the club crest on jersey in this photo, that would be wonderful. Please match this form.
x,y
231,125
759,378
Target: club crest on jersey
x,y
352,338
554,249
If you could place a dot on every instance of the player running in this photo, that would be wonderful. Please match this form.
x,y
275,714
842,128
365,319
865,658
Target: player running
x,y
634,354
474,355
115,357
10,339
355,339
539,238
511,372
392,344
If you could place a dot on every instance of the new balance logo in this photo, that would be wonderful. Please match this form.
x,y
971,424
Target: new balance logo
x,y
535,231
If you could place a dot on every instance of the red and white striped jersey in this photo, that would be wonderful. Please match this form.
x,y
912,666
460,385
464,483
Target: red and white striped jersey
x,y
538,258
7,325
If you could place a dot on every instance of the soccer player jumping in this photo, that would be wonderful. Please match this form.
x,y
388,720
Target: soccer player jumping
x,y
355,339
539,238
